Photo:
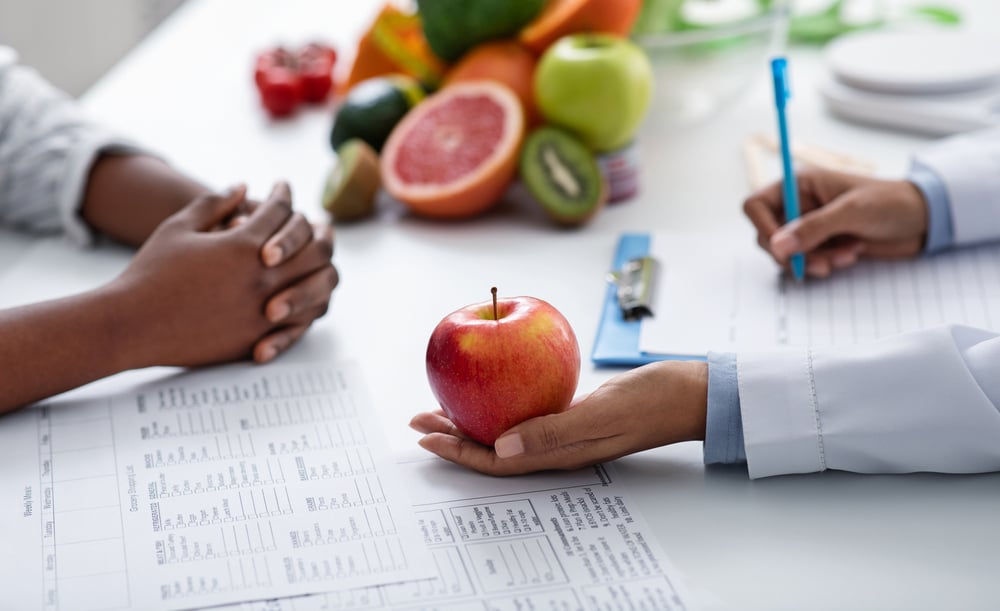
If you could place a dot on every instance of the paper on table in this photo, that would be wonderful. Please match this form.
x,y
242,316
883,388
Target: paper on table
x,y
206,488
547,541
729,295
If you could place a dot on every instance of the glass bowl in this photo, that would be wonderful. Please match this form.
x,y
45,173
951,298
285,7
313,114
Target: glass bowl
x,y
699,72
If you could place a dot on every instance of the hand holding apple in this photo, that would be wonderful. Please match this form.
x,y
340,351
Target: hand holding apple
x,y
595,85
648,407
493,365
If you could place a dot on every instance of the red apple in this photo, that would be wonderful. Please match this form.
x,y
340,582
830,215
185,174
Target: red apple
x,y
495,364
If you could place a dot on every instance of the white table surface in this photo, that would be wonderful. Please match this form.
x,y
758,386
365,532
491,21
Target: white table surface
x,y
824,541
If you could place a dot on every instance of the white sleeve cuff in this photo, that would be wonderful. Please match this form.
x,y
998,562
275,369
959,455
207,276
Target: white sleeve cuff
x,y
781,425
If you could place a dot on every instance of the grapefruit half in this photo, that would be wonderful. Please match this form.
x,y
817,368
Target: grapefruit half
x,y
456,152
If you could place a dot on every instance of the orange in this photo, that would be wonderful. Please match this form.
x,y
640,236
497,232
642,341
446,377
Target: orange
x,y
562,17
456,152
504,61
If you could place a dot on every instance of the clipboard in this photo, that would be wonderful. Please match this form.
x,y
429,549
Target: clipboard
x,y
617,340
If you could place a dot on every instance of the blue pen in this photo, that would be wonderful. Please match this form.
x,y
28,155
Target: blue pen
x,y
779,70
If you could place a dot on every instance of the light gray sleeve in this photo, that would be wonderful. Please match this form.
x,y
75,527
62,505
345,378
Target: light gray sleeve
x,y
47,149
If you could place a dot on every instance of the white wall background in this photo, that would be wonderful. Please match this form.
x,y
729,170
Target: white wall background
x,y
73,42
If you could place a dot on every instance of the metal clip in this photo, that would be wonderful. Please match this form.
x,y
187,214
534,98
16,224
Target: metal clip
x,y
636,286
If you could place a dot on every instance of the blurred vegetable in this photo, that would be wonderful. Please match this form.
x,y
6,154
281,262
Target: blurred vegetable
x,y
278,82
315,64
373,107
395,43
285,79
813,28
452,27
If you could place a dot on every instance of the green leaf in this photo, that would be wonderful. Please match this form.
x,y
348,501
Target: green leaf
x,y
834,9
659,16
940,14
818,28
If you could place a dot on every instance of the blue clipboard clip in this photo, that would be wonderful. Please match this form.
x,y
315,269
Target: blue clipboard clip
x,y
635,286
617,341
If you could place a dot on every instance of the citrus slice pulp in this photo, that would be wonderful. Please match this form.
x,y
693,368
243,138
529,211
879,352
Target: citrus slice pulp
x,y
455,153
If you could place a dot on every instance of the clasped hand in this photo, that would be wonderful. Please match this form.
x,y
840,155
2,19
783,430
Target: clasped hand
x,y
224,279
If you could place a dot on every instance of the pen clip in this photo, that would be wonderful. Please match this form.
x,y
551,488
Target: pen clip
x,y
782,90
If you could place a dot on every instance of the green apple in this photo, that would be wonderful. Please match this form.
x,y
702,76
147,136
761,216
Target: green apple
x,y
596,85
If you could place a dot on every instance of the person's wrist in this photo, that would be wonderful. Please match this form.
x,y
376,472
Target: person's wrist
x,y
128,195
916,208
698,405
687,394
125,325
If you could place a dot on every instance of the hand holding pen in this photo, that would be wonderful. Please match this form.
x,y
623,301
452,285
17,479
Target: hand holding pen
x,y
844,217
819,220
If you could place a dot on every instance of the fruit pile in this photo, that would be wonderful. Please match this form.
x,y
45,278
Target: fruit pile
x,y
446,107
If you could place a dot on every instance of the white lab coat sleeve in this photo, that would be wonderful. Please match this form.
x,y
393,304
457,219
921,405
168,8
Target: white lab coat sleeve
x,y
969,167
922,401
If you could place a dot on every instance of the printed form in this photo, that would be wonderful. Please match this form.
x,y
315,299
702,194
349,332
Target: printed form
x,y
559,541
715,296
206,488
245,484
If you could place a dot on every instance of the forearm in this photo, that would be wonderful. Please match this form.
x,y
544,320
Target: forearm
x,y
53,346
127,196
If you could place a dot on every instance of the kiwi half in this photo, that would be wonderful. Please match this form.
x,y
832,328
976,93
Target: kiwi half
x,y
351,186
563,175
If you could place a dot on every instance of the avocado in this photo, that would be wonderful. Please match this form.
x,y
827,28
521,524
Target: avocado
x,y
373,107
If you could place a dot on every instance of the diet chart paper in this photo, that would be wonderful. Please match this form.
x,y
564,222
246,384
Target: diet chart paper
x,y
205,488
713,295
563,541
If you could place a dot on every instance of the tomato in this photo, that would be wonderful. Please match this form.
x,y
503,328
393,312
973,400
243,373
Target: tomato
x,y
315,63
269,60
286,79
281,92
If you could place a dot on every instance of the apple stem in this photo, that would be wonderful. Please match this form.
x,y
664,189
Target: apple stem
x,y
494,291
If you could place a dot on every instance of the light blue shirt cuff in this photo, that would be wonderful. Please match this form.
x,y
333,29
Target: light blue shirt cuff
x,y
724,422
940,234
